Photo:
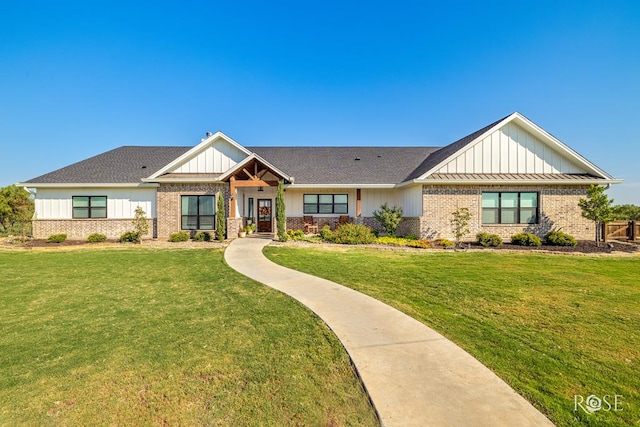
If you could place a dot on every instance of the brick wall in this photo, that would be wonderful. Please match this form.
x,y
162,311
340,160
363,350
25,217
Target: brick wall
x,y
558,208
169,204
80,229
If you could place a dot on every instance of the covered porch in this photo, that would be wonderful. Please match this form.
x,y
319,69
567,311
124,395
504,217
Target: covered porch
x,y
253,190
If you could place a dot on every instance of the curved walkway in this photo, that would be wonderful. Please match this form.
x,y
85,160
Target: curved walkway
x,y
413,375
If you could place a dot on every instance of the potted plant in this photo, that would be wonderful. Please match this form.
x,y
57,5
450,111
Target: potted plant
x,y
243,232
250,228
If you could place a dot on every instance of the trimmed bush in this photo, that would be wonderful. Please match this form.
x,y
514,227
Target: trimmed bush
x,y
130,237
57,238
180,236
445,243
201,236
349,234
526,239
96,238
488,240
295,234
422,243
558,238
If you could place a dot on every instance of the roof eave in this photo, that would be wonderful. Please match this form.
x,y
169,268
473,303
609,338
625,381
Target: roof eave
x,y
596,181
87,184
297,185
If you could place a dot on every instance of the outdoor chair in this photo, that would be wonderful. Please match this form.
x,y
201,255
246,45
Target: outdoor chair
x,y
344,219
309,225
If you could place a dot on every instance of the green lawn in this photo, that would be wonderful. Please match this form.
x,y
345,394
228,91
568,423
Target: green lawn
x,y
171,337
552,326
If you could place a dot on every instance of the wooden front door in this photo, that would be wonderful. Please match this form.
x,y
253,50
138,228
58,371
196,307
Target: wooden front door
x,y
264,216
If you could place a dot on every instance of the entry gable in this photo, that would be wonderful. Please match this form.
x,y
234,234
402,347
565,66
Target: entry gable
x,y
214,155
516,145
255,172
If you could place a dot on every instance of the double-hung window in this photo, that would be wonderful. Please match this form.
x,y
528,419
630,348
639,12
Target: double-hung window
x,y
198,212
89,206
510,208
326,204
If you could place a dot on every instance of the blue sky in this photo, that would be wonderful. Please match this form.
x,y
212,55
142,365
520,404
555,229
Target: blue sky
x,y
80,78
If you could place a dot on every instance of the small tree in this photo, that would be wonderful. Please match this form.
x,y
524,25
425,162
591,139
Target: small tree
x,y
140,224
460,223
597,208
388,218
281,217
16,210
221,227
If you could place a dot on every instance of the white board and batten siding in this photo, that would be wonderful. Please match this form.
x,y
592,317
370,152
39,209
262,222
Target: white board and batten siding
x,y
216,158
510,149
56,203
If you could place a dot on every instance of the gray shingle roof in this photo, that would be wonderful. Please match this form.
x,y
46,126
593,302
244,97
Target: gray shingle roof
x,y
308,165
338,165
118,166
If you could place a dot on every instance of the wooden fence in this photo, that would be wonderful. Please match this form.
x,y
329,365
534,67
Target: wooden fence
x,y
621,230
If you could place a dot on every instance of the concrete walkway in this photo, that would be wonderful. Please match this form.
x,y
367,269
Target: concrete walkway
x,y
413,375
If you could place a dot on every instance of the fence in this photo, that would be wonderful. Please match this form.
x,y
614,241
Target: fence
x,y
621,230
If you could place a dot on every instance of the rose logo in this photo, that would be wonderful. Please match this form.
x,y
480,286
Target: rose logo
x,y
594,403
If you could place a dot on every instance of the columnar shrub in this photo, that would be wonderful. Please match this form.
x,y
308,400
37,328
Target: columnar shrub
x,y
558,238
488,240
96,238
180,236
526,239
221,226
57,238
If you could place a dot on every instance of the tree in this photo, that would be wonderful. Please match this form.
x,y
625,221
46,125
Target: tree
x,y
597,208
16,210
281,217
460,223
140,224
626,213
388,218
221,226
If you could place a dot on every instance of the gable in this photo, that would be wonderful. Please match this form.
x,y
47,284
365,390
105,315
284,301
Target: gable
x,y
511,149
214,155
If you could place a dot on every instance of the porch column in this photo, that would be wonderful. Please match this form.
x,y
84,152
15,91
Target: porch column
x,y
232,197
358,203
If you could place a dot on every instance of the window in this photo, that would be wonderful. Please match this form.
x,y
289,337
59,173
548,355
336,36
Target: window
x,y
198,212
250,213
509,208
325,204
89,206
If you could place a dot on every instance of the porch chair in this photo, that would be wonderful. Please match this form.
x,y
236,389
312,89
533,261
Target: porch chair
x,y
309,225
344,219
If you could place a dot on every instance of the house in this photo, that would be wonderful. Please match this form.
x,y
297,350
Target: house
x,y
512,175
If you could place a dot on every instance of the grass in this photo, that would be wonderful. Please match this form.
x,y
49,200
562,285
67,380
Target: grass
x,y
170,337
552,326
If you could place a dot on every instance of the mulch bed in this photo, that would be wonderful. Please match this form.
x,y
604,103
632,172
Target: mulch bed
x,y
584,246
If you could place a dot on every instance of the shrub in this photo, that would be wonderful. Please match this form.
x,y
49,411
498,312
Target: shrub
x,y
392,240
140,224
295,234
201,236
349,234
526,239
96,238
445,243
57,238
422,243
180,236
326,233
558,238
389,218
130,237
488,240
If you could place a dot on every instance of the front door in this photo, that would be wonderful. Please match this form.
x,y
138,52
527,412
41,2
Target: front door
x,y
264,216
